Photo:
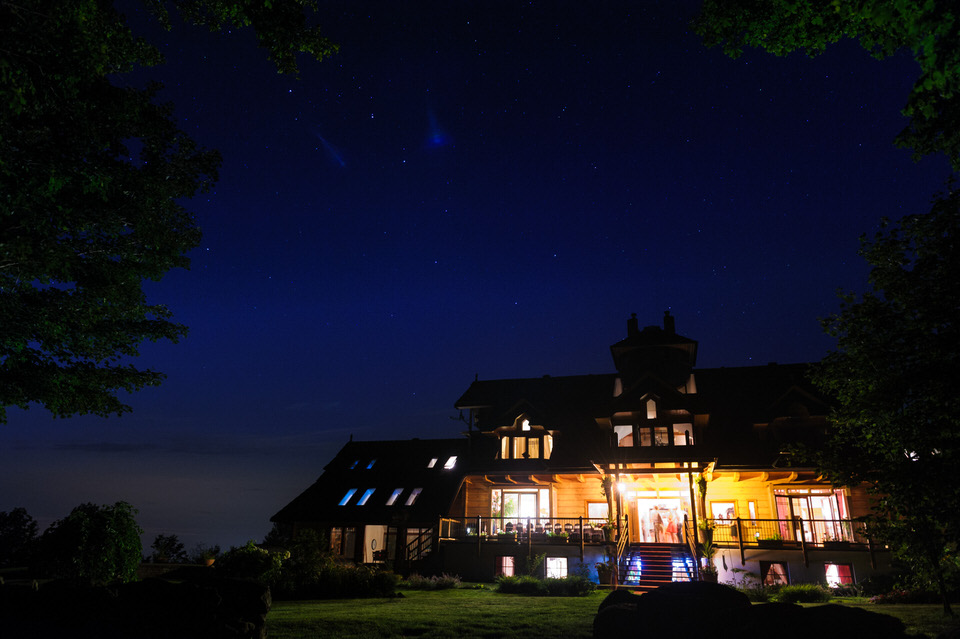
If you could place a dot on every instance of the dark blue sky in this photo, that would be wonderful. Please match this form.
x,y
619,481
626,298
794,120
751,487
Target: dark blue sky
x,y
471,188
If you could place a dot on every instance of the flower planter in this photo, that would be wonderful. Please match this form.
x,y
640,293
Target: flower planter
x,y
836,545
507,536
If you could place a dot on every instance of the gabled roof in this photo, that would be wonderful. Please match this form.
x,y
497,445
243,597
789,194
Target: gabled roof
x,y
383,467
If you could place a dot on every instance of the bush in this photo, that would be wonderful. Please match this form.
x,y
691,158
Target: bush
x,y
803,593
443,582
521,585
253,563
571,586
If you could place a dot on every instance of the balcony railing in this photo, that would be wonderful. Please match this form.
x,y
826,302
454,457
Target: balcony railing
x,y
825,533
527,529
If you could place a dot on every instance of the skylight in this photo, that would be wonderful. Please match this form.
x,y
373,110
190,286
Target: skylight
x,y
370,465
451,462
433,462
354,464
394,496
366,496
346,498
413,496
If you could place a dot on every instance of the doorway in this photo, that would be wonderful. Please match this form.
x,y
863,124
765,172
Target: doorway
x,y
660,521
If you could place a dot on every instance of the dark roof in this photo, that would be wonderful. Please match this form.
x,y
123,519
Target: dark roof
x,y
383,467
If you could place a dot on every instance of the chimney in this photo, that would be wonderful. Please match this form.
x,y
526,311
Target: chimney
x,y
668,323
632,327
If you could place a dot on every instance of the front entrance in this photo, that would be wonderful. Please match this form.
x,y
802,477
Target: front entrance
x,y
660,520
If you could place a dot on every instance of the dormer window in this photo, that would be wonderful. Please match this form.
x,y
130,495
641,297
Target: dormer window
x,y
651,409
525,424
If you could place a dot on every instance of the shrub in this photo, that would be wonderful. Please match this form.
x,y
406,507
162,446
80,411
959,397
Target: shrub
x,y
168,549
571,586
443,582
253,563
520,585
803,593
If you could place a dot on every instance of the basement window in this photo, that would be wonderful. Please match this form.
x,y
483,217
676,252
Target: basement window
x,y
556,567
346,498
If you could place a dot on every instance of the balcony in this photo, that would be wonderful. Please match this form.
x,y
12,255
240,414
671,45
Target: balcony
x,y
833,534
573,530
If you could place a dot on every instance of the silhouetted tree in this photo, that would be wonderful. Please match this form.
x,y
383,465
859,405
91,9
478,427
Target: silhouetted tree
x,y
94,544
897,424
928,30
18,537
93,172
168,549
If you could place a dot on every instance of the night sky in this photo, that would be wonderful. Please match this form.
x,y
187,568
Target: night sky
x,y
470,189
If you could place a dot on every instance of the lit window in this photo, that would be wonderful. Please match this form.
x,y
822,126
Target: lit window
x,y
660,435
839,575
366,496
547,446
505,566
681,434
451,462
433,462
533,447
346,498
651,409
519,447
354,464
370,465
556,567
505,448
773,573
394,496
624,435
525,425
413,496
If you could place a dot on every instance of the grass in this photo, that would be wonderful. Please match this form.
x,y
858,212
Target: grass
x,y
429,614
487,613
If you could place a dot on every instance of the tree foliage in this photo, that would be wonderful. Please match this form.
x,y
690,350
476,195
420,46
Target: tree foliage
x,y
93,173
18,536
896,427
94,544
168,549
926,28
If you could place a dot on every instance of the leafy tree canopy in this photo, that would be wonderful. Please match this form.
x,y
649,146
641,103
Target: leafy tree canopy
x,y
92,175
897,423
926,28
94,544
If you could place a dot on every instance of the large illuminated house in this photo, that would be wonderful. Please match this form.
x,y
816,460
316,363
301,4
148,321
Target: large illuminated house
x,y
630,467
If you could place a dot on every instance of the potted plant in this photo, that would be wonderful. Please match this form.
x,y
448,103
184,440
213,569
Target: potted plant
x,y
604,572
771,541
557,538
708,572
608,530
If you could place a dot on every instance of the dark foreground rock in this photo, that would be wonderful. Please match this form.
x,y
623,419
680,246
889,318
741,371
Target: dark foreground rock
x,y
213,608
701,609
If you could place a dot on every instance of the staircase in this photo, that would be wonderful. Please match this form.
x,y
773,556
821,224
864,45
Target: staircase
x,y
647,566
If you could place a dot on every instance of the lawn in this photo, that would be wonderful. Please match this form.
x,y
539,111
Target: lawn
x,y
487,613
